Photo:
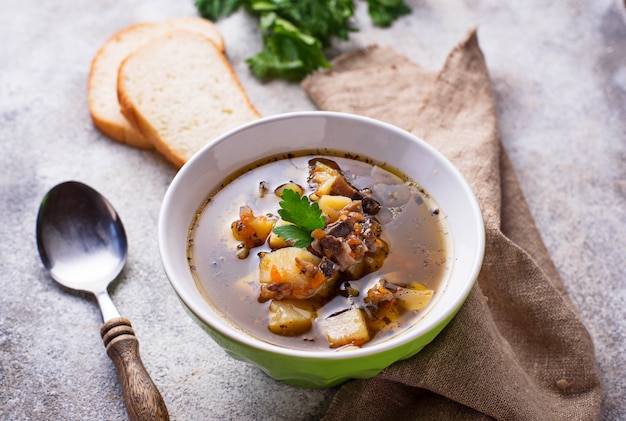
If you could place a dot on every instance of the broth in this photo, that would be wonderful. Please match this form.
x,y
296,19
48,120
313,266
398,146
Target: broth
x,y
412,226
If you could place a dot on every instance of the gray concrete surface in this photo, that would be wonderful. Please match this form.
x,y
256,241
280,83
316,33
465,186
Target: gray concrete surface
x,y
559,72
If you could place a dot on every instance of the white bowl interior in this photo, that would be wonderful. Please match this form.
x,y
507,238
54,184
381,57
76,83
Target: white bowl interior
x,y
319,130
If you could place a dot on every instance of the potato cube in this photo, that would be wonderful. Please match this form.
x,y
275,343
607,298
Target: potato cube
x,y
281,266
373,263
289,318
323,188
331,205
356,271
346,328
387,316
252,230
414,299
262,226
295,268
276,241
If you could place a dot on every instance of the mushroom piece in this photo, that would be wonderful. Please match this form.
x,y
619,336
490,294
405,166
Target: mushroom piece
x,y
330,179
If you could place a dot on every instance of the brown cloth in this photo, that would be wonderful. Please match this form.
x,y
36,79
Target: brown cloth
x,y
517,349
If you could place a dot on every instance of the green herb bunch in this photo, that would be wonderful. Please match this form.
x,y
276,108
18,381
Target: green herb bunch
x,y
295,32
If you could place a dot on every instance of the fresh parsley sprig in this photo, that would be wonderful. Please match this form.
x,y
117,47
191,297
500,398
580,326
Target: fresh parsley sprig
x,y
287,51
295,32
321,19
216,9
305,216
384,12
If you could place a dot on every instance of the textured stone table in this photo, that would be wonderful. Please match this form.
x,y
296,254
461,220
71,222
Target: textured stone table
x,y
559,72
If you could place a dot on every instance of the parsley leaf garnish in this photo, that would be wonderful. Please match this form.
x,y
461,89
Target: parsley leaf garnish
x,y
305,216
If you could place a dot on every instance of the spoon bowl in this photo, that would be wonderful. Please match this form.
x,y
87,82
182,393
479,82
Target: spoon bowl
x,y
89,247
82,243
81,240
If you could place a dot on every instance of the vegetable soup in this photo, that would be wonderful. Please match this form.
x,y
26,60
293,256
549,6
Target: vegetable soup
x,y
320,251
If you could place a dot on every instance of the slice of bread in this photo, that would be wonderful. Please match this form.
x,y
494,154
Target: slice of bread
x,y
102,88
181,92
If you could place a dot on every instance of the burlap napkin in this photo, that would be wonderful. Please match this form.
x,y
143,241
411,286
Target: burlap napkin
x,y
516,350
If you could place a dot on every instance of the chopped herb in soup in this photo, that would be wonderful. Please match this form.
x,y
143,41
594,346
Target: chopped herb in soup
x,y
319,252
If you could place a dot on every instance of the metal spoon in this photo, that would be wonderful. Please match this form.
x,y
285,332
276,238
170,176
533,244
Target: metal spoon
x,y
82,244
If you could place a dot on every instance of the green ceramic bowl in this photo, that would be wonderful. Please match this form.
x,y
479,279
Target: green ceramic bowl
x,y
295,132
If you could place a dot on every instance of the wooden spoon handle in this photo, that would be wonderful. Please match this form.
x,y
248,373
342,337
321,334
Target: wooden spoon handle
x,y
142,398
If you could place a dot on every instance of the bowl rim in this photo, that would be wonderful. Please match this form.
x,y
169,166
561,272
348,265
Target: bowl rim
x,y
226,329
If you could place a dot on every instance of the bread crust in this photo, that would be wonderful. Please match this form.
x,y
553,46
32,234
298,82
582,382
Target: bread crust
x,y
102,85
